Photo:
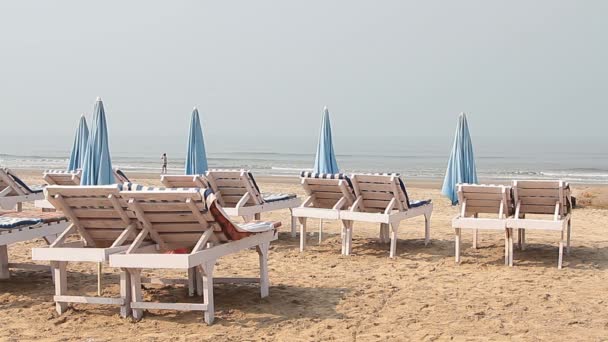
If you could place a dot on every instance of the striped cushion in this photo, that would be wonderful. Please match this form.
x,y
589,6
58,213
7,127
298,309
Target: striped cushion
x,y
7,222
277,197
62,172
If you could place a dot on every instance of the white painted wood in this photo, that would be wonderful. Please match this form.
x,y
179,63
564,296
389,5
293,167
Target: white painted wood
x,y
262,250
58,268
125,293
207,275
89,300
4,270
457,237
169,306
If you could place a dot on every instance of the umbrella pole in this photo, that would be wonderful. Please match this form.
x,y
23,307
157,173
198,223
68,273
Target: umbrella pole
x,y
99,279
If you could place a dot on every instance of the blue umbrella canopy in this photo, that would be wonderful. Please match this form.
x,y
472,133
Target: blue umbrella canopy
x,y
97,165
461,165
196,157
79,146
325,161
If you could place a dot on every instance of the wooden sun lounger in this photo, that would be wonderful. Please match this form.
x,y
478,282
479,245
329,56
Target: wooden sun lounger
x,y
483,199
188,219
237,192
543,198
13,191
62,177
99,215
327,194
48,228
382,199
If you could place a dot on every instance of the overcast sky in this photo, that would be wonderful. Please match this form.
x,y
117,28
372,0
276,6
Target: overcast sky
x,y
267,68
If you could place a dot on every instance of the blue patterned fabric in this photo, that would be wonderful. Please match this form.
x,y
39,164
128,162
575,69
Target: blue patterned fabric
x,y
277,197
16,222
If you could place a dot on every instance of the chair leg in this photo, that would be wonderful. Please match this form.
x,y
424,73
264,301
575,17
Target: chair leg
x,y
207,270
394,229
262,250
99,273
125,293
510,247
475,237
302,233
4,271
561,252
293,224
59,268
136,294
191,281
427,228
568,237
457,233
507,247
320,231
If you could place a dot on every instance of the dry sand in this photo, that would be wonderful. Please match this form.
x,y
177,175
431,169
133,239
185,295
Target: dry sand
x,y
321,295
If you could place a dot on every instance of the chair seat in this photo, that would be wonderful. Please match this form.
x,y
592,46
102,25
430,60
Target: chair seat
x,y
277,197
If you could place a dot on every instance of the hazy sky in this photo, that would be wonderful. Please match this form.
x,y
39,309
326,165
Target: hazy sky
x,y
264,69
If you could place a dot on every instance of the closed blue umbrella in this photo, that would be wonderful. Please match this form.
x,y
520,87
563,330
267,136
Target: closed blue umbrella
x,y
79,146
196,157
461,165
325,161
97,165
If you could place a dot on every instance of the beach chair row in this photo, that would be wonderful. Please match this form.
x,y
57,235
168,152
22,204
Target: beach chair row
x,y
516,208
374,198
131,227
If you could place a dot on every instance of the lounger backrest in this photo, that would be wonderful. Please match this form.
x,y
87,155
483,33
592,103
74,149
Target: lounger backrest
x,y
99,213
485,199
11,185
375,193
230,187
178,218
62,177
542,197
184,181
327,191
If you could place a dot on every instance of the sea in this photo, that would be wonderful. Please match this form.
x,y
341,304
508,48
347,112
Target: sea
x,y
424,158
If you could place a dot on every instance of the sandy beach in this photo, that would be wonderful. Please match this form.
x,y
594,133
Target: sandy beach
x,y
320,295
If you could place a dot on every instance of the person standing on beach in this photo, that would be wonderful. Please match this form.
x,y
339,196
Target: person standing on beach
x,y
163,169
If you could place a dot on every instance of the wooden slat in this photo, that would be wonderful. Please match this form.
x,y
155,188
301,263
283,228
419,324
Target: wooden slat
x,y
160,217
375,204
329,195
99,213
103,223
554,193
75,202
173,237
538,184
493,189
537,209
168,206
482,196
387,187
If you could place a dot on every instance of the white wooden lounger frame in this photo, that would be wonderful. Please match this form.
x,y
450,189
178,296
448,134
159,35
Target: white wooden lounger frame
x,y
12,195
235,192
190,225
476,199
325,197
546,198
99,215
380,199
47,231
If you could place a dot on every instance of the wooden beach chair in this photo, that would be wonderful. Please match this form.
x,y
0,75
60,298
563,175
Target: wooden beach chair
x,y
105,225
542,197
326,195
24,226
14,191
188,219
494,202
382,198
238,193
62,177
